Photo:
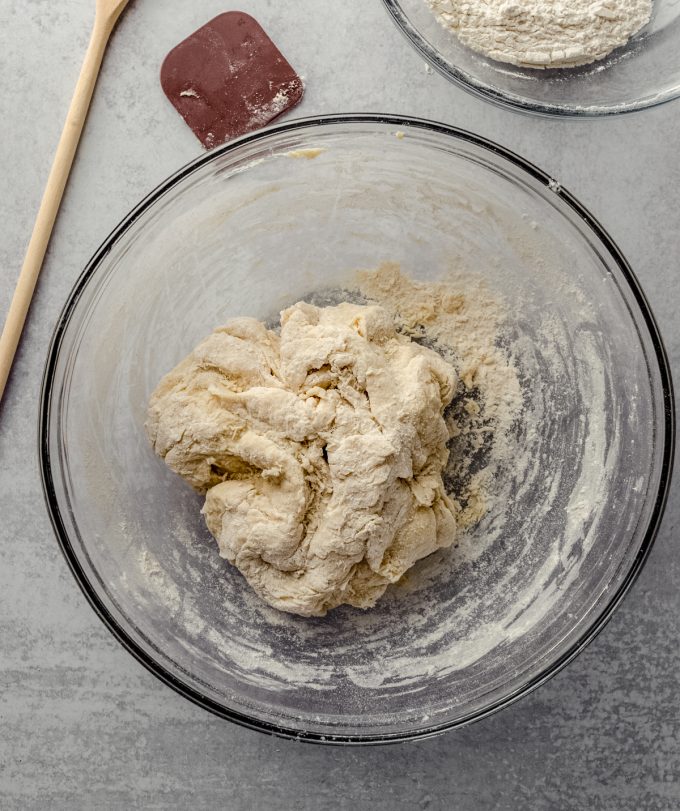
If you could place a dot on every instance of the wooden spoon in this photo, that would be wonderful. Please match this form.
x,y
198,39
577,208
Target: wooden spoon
x,y
107,13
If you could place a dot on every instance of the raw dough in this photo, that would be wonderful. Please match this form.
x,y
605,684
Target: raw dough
x,y
320,451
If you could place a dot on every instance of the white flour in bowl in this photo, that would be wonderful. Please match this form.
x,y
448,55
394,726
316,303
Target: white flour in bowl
x,y
543,33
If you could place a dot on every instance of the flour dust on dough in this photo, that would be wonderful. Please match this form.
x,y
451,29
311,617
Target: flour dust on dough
x,y
320,451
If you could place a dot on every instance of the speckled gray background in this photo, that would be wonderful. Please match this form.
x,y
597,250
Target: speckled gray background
x,y
82,725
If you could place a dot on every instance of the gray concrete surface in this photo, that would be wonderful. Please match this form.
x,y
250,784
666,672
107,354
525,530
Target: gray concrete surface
x,y
82,725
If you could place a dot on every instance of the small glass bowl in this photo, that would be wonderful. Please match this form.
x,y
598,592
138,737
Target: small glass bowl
x,y
289,213
645,72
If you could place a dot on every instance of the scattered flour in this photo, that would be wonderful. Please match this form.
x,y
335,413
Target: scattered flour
x,y
262,114
460,317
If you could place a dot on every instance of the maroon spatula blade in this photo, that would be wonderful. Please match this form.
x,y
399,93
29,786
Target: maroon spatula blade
x,y
228,78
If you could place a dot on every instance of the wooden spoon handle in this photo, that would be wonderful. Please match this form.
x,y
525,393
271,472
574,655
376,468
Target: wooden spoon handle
x,y
47,214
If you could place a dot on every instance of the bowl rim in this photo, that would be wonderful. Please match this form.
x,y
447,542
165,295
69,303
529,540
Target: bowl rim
x,y
512,101
47,395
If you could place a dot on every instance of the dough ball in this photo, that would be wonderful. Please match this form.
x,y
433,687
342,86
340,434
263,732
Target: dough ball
x,y
320,451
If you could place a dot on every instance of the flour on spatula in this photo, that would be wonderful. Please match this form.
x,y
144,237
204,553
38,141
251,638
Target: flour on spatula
x,y
543,33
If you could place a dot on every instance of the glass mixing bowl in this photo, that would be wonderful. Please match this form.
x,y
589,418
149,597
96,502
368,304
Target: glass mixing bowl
x,y
643,73
250,228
